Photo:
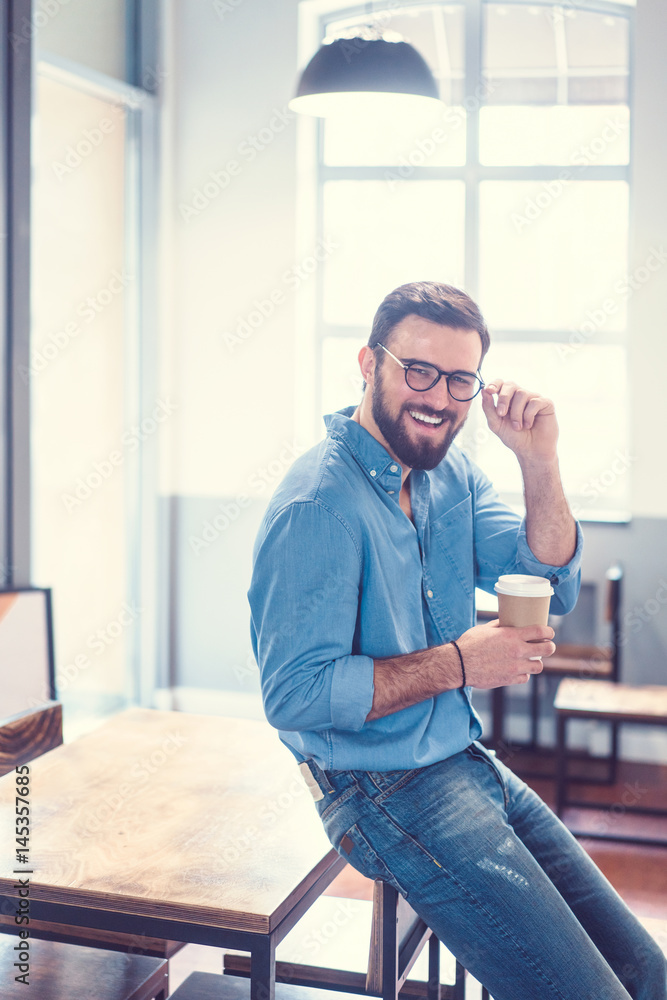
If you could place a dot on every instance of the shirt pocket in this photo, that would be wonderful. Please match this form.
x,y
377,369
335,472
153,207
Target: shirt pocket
x,y
452,536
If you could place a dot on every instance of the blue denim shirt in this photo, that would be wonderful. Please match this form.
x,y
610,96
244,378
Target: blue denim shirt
x,y
341,576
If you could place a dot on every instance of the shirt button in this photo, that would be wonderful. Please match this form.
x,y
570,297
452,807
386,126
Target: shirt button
x,y
393,468
429,593
373,472
390,491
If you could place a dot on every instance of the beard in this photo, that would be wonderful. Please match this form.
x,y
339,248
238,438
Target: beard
x,y
423,454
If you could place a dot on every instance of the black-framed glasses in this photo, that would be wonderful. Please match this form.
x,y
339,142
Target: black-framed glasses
x,y
420,376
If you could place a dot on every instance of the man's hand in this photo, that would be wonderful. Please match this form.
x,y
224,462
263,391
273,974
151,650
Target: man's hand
x,y
496,657
523,420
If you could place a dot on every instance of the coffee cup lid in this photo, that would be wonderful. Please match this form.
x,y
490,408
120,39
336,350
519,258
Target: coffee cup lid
x,y
522,585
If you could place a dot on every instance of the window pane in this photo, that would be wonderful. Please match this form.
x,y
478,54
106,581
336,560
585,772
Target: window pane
x,y
589,388
519,54
81,449
554,55
341,378
90,32
388,233
578,136
553,254
435,140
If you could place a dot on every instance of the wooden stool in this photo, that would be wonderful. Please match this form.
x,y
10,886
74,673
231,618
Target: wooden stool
x,y
616,704
372,954
68,971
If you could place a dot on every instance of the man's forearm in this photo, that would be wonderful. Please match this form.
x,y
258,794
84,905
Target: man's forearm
x,y
550,528
401,681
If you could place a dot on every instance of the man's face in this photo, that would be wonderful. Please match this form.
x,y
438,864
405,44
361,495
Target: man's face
x,y
396,408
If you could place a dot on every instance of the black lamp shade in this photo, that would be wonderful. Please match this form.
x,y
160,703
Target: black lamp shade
x,y
367,65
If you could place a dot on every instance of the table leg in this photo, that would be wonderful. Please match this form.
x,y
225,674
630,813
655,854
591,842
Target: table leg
x,y
561,764
263,970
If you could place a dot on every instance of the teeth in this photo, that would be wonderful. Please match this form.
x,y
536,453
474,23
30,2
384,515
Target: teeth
x,y
424,418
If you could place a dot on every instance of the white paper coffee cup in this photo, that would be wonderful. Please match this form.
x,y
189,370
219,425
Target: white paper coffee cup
x,y
523,600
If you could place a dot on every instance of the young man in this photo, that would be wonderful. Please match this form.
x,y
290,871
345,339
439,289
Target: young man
x,y
362,603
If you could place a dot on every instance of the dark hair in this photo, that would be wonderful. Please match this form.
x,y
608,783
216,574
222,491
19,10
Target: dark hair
x,y
432,300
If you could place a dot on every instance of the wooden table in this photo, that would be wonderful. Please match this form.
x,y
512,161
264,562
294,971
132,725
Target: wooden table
x,y
184,827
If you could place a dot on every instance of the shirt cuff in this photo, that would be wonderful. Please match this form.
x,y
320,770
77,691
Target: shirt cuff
x,y
555,574
351,692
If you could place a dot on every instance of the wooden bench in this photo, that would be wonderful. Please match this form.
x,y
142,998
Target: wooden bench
x,y
68,971
616,704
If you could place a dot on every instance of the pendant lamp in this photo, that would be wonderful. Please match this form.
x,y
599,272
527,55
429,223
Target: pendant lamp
x,y
352,76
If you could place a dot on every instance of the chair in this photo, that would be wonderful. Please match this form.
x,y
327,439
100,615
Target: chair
x,y
23,737
617,704
590,662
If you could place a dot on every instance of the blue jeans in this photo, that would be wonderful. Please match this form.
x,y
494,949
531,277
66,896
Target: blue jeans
x,y
496,876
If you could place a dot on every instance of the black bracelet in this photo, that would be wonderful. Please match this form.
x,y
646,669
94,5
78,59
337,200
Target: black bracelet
x,y
463,669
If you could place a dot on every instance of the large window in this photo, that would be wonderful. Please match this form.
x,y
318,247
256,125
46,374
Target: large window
x,y
517,191
94,418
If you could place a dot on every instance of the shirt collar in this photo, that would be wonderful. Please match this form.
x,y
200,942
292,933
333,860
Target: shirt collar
x,y
375,460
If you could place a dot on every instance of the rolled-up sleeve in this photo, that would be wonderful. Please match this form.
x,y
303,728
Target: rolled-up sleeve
x,y
304,599
501,547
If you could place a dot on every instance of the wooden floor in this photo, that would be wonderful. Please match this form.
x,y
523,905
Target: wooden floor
x,y
638,873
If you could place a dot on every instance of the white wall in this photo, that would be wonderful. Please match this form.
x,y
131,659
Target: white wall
x,y
648,306
233,239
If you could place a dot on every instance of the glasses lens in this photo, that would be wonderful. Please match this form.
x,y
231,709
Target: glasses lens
x,y
463,386
421,377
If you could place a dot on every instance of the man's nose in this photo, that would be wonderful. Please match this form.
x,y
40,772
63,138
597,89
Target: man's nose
x,y
438,396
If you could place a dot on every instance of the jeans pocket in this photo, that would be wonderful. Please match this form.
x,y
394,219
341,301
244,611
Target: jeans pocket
x,y
480,752
388,782
354,847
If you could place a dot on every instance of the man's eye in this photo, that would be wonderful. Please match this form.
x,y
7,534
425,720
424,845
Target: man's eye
x,y
458,378
422,371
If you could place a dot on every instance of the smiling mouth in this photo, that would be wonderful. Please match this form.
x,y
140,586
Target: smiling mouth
x,y
424,420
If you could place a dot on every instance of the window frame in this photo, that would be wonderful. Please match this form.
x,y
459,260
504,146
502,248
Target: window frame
x,y
141,99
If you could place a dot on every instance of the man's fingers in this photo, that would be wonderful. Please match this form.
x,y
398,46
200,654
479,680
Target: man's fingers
x,y
536,633
517,404
505,397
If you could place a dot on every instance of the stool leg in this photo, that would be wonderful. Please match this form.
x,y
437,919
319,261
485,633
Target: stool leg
x,y
433,988
389,943
460,984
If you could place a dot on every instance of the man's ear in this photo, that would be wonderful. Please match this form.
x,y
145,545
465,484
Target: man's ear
x,y
367,363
